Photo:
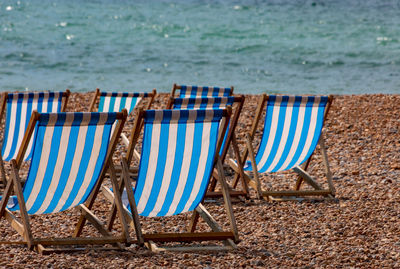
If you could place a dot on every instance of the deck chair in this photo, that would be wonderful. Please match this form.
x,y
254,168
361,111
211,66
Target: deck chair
x,y
292,130
196,91
71,152
236,103
18,108
174,173
116,101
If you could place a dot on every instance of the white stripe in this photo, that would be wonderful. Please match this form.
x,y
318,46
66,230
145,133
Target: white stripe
x,y
45,104
185,103
187,154
13,113
79,147
128,104
58,167
297,136
205,146
169,165
106,107
117,103
153,159
311,130
272,132
285,133
44,158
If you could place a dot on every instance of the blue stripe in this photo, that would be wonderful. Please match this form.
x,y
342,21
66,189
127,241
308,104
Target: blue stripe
x,y
16,130
112,103
193,91
215,91
122,105
6,131
144,160
205,91
50,103
194,162
133,104
101,104
160,168
182,92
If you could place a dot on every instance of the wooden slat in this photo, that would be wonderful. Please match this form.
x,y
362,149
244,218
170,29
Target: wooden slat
x,y
80,241
188,237
296,193
155,248
216,194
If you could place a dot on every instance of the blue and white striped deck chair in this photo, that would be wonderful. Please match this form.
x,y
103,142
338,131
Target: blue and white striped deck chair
x,y
197,91
116,101
19,107
71,152
236,102
292,130
179,155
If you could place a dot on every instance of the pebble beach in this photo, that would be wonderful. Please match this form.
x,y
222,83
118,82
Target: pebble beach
x,y
359,228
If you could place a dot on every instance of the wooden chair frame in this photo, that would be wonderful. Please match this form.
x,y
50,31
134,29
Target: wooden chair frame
x,y
229,238
230,140
23,226
3,101
303,175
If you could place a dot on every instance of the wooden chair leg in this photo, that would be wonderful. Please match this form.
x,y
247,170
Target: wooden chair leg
x,y
193,222
24,214
242,177
131,199
326,163
254,165
3,172
227,199
5,197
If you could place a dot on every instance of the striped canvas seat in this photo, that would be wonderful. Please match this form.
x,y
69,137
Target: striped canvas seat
x,y
292,128
69,154
197,91
205,103
19,107
178,157
116,101
177,160
217,103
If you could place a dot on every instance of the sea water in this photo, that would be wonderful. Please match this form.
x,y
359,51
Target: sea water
x,y
273,46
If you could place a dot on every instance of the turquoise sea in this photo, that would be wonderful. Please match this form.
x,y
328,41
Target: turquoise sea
x,y
284,46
